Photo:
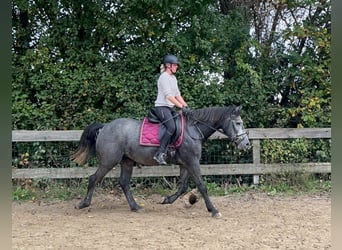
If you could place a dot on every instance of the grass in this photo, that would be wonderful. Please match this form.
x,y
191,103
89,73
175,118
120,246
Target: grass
x,y
47,190
282,184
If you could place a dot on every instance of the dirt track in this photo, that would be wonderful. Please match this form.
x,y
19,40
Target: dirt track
x,y
251,221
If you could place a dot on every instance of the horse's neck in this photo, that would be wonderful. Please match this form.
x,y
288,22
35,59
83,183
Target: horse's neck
x,y
207,129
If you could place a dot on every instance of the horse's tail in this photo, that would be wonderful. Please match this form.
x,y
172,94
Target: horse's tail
x,y
87,145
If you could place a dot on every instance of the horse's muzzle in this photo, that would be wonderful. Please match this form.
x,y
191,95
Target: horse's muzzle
x,y
242,140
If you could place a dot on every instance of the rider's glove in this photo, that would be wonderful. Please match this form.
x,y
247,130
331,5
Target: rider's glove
x,y
186,110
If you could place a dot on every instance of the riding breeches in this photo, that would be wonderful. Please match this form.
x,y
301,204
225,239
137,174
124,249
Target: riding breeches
x,y
165,116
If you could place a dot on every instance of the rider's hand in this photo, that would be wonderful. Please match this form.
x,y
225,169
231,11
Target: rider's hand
x,y
186,110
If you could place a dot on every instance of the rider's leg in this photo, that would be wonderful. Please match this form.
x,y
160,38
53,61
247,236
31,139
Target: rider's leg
x,y
164,142
165,115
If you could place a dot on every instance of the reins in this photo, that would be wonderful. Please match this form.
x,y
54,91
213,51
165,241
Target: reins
x,y
208,126
170,118
237,139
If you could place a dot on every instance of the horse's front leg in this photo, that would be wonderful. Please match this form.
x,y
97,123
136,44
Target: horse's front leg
x,y
125,177
195,173
183,186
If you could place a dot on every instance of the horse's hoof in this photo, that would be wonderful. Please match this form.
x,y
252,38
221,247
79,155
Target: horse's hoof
x,y
138,209
217,215
165,200
187,204
82,205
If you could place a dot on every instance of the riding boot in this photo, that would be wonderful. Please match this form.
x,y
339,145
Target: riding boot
x,y
160,154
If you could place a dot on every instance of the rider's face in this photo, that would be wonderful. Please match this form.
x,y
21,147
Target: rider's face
x,y
174,67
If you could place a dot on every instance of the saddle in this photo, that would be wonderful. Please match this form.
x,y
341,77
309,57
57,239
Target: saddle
x,y
152,130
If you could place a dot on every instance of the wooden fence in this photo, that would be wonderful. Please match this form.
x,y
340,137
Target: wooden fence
x,y
256,168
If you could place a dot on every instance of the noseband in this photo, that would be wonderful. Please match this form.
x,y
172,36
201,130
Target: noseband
x,y
240,137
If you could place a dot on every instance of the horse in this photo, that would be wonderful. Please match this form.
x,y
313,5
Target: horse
x,y
117,142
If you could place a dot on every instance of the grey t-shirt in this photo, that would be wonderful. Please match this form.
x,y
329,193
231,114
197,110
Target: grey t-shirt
x,y
167,86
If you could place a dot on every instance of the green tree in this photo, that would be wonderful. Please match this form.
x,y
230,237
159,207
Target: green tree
x,y
75,62
289,58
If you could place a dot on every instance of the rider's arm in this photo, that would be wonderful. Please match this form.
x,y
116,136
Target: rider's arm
x,y
175,100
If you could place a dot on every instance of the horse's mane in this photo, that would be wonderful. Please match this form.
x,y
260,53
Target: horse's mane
x,y
213,113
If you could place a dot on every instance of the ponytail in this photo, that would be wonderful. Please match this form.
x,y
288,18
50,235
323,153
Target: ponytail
x,y
162,68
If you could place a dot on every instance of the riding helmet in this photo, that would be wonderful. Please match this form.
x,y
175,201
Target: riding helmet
x,y
170,59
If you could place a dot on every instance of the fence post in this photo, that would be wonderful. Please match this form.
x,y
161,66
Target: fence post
x,y
256,158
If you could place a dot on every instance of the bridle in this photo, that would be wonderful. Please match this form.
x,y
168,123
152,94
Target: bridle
x,y
237,139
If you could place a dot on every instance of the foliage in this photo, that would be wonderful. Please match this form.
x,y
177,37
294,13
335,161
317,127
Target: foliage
x,y
290,54
272,185
78,62
22,194
47,189
224,152
42,154
295,151
295,183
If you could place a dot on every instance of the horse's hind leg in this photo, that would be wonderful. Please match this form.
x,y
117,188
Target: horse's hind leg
x,y
125,178
93,179
184,183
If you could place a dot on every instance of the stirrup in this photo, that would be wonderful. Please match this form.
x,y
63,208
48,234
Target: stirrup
x,y
160,158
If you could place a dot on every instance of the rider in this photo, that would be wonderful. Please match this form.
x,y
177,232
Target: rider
x,y
168,97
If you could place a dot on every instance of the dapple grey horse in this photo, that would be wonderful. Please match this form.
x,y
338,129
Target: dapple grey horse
x,y
117,142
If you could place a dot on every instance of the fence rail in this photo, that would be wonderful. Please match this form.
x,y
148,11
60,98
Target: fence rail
x,y
254,134
256,168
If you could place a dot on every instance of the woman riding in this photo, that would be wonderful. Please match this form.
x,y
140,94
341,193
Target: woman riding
x,y
168,97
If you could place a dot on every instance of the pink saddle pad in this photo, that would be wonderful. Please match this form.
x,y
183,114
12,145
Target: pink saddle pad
x,y
149,134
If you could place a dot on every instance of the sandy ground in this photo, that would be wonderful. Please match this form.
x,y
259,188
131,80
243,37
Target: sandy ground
x,y
250,221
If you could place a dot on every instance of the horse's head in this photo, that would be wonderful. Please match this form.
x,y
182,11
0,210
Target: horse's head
x,y
234,129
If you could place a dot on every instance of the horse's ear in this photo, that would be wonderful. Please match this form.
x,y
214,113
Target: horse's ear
x,y
237,110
